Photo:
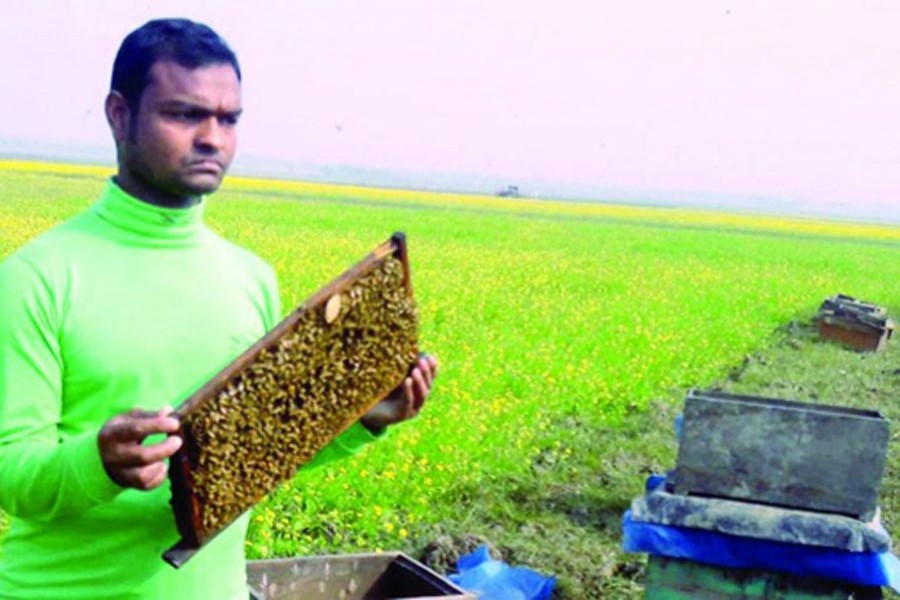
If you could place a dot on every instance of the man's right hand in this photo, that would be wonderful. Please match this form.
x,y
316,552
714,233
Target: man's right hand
x,y
126,460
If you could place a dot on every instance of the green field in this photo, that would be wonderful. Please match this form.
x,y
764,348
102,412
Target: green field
x,y
552,322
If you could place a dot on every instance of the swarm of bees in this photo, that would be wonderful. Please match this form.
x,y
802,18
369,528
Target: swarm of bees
x,y
340,357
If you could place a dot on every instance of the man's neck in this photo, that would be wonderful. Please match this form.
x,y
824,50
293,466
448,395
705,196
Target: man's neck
x,y
138,189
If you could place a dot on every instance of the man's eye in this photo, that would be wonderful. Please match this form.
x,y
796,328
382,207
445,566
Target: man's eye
x,y
228,120
185,116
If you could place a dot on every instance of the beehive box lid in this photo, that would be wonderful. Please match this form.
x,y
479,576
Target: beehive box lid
x,y
351,577
311,377
852,312
795,454
760,521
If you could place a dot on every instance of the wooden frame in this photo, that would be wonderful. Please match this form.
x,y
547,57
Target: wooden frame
x,y
186,505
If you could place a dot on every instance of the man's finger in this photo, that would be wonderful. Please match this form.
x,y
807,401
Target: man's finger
x,y
139,413
143,478
433,362
161,451
137,428
155,475
408,392
425,368
421,390
130,455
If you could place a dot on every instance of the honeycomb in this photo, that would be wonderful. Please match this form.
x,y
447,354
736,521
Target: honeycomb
x,y
299,392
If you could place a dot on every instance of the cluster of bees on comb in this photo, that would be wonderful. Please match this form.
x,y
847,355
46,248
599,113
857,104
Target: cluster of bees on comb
x,y
299,393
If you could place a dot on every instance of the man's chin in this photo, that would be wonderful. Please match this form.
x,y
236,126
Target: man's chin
x,y
201,184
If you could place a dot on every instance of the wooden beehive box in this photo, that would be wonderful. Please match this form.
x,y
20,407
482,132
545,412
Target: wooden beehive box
x,y
795,454
672,578
274,407
854,323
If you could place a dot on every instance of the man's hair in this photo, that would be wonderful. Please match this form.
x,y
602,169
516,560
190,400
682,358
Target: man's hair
x,y
182,41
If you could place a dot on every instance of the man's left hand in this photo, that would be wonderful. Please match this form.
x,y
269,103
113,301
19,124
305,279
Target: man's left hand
x,y
407,400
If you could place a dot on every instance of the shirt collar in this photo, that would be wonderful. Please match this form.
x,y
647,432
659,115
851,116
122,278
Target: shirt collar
x,y
139,218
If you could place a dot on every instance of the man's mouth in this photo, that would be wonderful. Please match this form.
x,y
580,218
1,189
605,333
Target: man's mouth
x,y
206,165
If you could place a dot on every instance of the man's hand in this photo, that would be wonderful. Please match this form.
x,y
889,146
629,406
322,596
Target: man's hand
x,y
406,401
129,463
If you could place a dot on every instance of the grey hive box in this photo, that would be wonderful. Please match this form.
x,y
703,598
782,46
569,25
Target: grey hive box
x,y
794,454
381,576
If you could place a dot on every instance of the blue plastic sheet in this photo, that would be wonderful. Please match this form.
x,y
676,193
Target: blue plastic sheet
x,y
710,547
492,579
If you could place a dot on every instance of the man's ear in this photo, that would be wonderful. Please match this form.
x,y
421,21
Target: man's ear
x,y
118,115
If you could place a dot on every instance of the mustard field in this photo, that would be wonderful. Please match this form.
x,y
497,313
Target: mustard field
x,y
546,316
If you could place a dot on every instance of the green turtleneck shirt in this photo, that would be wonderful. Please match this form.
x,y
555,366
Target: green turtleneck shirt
x,y
127,305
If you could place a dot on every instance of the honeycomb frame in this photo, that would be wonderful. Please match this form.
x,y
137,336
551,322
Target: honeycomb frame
x,y
288,380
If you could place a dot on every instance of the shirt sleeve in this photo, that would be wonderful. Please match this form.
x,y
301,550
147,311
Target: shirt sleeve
x,y
42,477
350,442
272,299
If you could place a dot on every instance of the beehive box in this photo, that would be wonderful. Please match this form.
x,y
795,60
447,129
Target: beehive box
x,y
676,579
349,577
273,408
854,323
794,454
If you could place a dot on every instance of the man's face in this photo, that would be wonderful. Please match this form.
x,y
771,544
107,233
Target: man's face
x,y
183,137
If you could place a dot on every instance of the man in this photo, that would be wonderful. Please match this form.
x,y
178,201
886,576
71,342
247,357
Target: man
x,y
135,303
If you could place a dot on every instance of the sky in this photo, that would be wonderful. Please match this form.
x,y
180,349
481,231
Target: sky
x,y
787,106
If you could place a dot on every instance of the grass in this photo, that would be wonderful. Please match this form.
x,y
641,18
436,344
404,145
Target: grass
x,y
567,335
568,521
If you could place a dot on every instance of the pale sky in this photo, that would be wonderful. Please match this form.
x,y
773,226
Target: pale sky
x,y
772,105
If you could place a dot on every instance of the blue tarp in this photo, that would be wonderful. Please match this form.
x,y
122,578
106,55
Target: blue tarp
x,y
710,547
495,580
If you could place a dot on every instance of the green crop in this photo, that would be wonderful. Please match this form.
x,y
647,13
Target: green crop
x,y
542,315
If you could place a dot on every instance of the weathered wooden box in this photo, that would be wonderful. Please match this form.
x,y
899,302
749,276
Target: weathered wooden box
x,y
857,337
349,577
854,323
674,579
795,454
274,407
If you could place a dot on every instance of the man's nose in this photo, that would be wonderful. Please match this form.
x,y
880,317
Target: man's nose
x,y
210,136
